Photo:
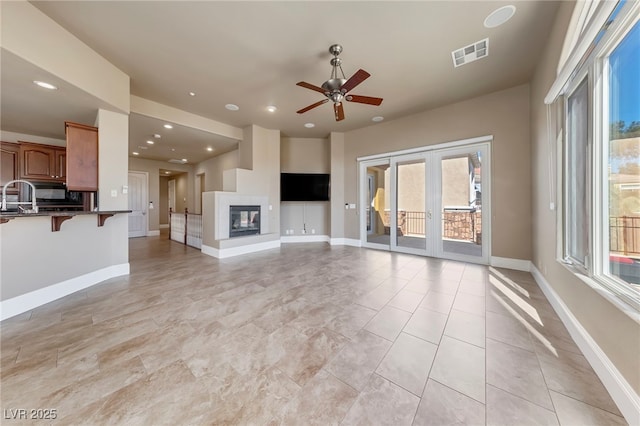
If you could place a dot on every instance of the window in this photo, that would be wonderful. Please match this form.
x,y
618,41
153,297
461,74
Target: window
x,y
577,223
601,177
623,159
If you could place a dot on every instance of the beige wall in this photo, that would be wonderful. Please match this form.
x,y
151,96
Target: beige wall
x,y
183,201
615,333
305,155
213,169
163,203
505,115
152,167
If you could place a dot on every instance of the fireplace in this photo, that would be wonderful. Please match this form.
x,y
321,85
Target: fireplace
x,y
244,220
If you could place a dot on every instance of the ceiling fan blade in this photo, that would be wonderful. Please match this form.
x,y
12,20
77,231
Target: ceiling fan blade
x,y
339,111
312,106
360,76
310,86
364,99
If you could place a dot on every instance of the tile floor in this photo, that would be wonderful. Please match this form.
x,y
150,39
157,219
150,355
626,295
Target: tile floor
x,y
307,334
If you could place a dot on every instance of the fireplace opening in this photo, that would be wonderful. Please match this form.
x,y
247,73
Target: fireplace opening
x,y
244,220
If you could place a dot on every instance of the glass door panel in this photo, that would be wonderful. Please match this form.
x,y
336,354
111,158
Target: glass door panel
x,y
461,207
377,204
410,216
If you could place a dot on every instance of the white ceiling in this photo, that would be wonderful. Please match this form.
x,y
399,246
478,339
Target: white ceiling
x,y
253,53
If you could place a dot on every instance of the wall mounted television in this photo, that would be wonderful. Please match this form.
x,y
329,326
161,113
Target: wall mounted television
x,y
304,186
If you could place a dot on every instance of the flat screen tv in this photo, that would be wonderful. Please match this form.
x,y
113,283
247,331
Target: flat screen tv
x,y
304,187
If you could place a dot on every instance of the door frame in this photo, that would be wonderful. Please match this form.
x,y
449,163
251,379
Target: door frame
x,y
485,179
433,195
145,201
363,182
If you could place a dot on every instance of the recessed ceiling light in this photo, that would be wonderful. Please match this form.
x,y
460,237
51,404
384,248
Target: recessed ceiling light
x,y
135,153
173,149
377,118
192,93
232,107
209,149
184,159
157,136
45,85
272,108
168,126
499,16
150,142
309,125
167,173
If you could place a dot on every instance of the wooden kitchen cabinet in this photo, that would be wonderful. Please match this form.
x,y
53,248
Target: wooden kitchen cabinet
x,y
81,157
42,162
9,165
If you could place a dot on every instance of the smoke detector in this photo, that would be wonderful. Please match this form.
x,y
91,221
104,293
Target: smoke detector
x,y
470,53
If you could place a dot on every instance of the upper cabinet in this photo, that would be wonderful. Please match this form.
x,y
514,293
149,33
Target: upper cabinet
x,y
81,157
9,165
42,162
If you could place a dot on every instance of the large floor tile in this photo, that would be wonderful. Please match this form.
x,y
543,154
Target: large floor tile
x,y
570,374
382,403
460,366
441,405
388,322
358,359
517,371
427,325
324,400
467,327
504,408
408,363
572,412
507,329
406,300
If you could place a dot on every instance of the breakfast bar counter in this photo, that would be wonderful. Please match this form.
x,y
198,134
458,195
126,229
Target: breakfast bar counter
x,y
58,217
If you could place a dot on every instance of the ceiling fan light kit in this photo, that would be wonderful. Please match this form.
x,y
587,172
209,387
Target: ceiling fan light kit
x,y
337,87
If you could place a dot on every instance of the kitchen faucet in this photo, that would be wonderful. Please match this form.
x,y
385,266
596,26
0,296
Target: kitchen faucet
x,y
34,208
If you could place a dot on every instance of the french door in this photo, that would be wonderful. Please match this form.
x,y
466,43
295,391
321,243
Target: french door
x,y
434,202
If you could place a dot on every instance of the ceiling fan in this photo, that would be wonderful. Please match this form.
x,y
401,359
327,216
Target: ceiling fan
x,y
337,89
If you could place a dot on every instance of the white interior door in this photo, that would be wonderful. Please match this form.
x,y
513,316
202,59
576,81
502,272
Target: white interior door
x,y
138,204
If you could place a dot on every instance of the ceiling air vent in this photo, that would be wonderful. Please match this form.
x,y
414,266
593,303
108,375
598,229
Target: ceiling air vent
x,y
470,53
174,161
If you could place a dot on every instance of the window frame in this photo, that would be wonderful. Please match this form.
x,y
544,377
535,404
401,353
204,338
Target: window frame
x,y
594,67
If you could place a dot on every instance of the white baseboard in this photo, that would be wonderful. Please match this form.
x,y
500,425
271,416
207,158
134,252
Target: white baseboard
x,y
155,233
345,242
622,393
237,251
26,302
305,239
508,263
164,226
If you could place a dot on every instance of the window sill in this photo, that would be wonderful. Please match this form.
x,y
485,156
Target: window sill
x,y
618,300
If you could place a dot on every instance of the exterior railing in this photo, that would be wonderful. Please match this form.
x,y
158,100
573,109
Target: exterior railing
x,y
186,228
458,224
624,234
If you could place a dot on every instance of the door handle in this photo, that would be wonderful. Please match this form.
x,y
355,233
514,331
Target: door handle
x,y
144,213
429,214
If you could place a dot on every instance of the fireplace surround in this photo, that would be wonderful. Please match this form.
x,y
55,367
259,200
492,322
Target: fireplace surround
x,y
244,220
